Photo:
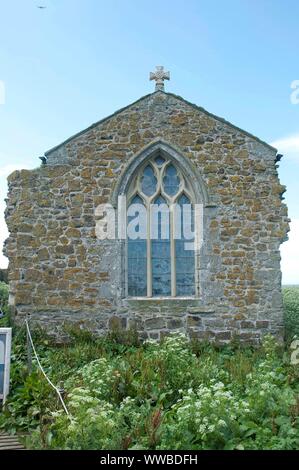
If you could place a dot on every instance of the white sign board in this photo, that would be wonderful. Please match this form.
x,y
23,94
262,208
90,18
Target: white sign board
x,y
5,347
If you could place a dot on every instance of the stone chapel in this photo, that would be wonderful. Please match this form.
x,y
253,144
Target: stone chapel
x,y
160,150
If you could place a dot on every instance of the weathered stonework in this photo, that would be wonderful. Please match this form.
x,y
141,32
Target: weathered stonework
x,y
59,271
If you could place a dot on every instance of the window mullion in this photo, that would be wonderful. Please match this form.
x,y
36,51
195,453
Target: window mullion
x,y
149,253
174,247
172,252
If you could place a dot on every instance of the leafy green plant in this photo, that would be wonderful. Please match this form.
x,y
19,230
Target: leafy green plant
x,y
170,395
291,311
4,304
3,294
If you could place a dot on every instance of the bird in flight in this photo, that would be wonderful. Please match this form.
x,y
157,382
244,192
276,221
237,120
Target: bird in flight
x,y
41,7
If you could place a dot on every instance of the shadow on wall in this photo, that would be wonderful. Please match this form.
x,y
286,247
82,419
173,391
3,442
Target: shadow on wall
x,y
4,275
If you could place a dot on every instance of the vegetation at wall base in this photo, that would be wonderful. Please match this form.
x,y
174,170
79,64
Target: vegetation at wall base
x,y
173,395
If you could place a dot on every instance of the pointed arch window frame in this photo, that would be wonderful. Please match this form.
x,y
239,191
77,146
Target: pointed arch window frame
x,y
199,191
136,189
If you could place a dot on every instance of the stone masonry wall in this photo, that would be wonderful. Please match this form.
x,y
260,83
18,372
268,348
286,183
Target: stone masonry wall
x,y
60,272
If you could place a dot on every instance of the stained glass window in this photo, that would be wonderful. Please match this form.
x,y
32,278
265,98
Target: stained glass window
x,y
161,263
160,244
137,259
171,181
159,161
184,254
149,181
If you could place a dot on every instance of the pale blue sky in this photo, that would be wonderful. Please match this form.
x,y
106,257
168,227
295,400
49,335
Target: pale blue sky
x,y
77,61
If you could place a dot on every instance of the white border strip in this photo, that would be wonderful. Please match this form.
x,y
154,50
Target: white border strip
x,y
7,332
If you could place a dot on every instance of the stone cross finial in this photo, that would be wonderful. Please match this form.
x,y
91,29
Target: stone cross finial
x,y
159,76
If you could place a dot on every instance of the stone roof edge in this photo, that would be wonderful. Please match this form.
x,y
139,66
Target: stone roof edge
x,y
228,123
196,107
95,124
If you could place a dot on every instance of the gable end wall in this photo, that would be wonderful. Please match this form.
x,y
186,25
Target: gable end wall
x,y
60,272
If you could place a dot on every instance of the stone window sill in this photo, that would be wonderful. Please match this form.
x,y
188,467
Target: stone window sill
x,y
192,305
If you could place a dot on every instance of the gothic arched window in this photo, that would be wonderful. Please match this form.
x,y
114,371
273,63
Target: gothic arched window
x,y
160,231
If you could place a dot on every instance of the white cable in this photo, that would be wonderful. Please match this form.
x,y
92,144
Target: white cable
x,y
44,373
